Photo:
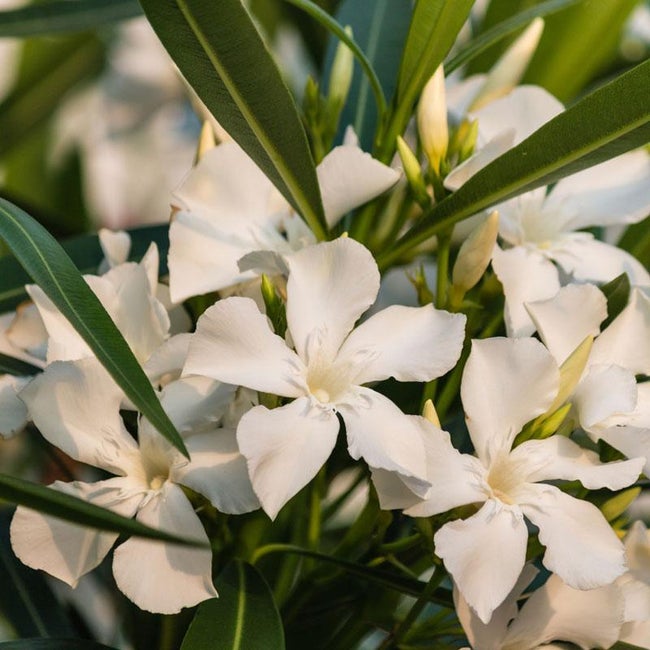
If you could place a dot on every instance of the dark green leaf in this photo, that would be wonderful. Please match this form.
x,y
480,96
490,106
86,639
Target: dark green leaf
x,y
77,511
577,44
26,601
625,646
617,292
18,368
380,28
389,579
608,122
86,253
244,617
53,644
50,267
636,241
502,30
222,56
57,16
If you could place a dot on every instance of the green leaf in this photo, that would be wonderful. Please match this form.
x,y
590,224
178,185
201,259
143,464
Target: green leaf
x,y
26,601
617,292
17,367
434,27
608,122
59,16
77,511
50,267
244,617
625,646
502,30
391,580
222,56
636,241
578,44
380,28
86,253
53,644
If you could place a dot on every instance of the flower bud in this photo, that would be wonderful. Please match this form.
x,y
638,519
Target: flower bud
x,y
475,254
509,69
429,413
413,173
341,74
432,120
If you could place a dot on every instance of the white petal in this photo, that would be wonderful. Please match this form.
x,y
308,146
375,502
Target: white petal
x,y
626,342
76,406
614,192
225,183
526,276
330,285
233,343
408,343
285,447
590,619
116,245
558,457
637,545
195,402
348,178
168,359
26,336
590,260
218,471
484,554
65,550
160,577
633,442
13,412
506,383
603,392
385,437
565,320
580,545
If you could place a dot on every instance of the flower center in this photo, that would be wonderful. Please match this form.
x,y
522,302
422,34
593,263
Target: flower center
x,y
504,478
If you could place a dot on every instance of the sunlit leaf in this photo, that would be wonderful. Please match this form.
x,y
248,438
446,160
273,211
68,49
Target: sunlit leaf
x,y
50,267
221,54
57,16
244,617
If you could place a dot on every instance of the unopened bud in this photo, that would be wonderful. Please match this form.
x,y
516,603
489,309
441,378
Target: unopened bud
x,y
571,371
413,172
341,74
429,413
432,119
475,253
207,140
509,69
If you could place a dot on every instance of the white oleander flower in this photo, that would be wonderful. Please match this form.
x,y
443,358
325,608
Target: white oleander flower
x,y
75,405
330,286
506,383
229,208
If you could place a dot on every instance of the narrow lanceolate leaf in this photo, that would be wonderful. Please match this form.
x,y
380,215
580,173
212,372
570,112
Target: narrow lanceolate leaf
x,y
87,254
17,367
434,27
58,16
380,28
244,617
51,268
77,511
221,54
54,644
504,29
608,122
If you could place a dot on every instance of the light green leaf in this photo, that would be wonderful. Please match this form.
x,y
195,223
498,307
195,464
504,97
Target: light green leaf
x,y
502,30
434,27
77,511
577,45
59,16
380,28
222,56
86,253
49,266
244,617
608,122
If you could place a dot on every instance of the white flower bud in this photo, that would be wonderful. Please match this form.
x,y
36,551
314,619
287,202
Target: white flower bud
x,y
509,69
429,413
475,253
432,119
411,166
341,74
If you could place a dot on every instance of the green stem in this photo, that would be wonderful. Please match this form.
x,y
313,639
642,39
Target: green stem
x,y
403,628
444,245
